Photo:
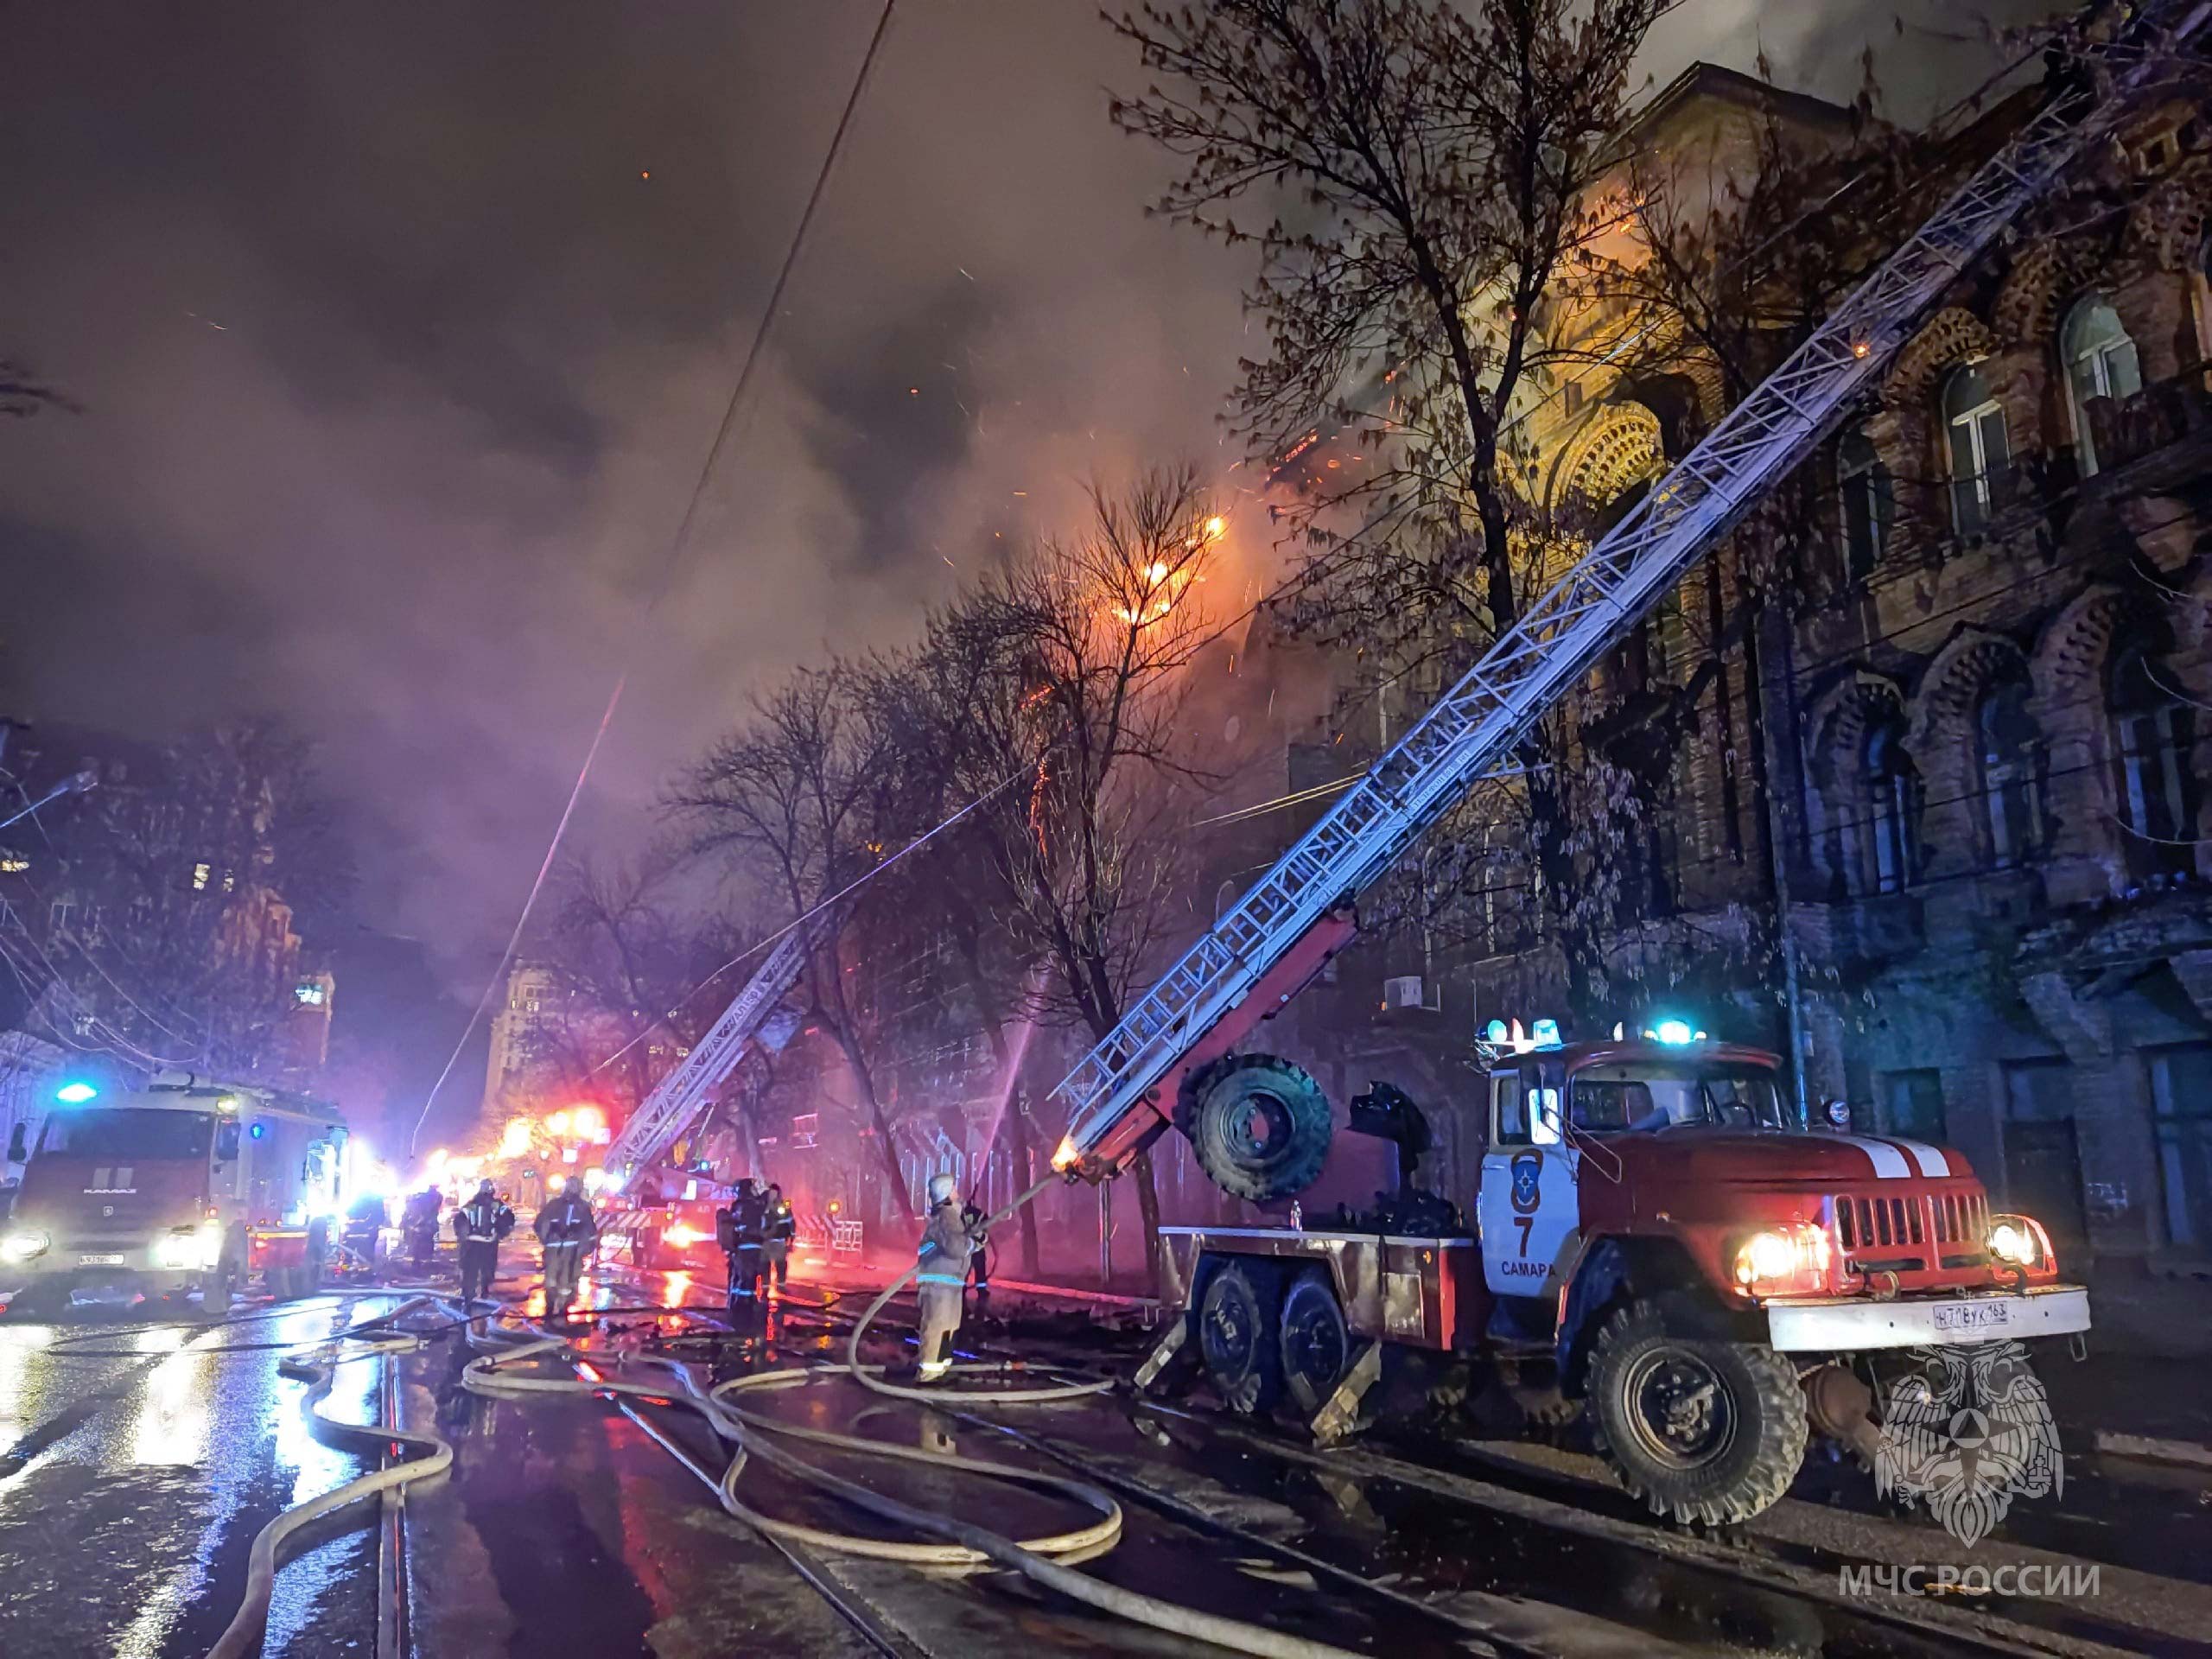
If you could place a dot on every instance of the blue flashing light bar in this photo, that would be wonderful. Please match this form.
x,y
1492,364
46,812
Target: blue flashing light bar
x,y
75,1093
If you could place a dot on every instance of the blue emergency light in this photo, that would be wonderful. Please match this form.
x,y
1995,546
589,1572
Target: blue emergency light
x,y
75,1093
1673,1032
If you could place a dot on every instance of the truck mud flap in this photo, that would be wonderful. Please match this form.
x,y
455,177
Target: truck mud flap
x,y
1340,1413
1171,1352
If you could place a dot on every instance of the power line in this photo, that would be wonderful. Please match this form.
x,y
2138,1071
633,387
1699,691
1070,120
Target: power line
x,y
672,560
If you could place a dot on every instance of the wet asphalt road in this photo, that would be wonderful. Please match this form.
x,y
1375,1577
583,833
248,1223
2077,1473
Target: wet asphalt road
x,y
137,1461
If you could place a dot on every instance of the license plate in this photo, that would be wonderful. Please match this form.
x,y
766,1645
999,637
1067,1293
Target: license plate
x,y
111,1261
1973,1316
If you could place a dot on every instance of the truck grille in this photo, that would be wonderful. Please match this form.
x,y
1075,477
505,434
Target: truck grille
x,y
1961,1219
1910,1233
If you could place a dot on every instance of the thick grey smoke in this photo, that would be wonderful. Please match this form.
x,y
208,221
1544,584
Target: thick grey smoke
x,y
400,332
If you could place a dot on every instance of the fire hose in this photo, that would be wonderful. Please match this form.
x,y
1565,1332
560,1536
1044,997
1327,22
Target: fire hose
x,y
749,1433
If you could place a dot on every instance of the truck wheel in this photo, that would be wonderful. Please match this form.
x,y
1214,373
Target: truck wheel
x,y
1236,1338
1316,1345
1700,1429
1259,1126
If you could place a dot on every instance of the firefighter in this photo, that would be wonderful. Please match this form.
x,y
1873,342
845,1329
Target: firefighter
x,y
419,1221
942,1274
978,1265
782,1226
479,1225
742,1231
569,1230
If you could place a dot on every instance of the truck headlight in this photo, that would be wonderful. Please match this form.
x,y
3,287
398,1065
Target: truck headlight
x,y
1784,1260
188,1250
22,1247
2020,1240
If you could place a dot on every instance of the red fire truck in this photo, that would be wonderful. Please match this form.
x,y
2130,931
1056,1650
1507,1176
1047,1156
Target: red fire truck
x,y
1652,1234
188,1184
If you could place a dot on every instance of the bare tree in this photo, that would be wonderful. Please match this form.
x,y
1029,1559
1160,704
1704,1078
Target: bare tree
x,y
798,796
158,912
24,392
1049,694
1423,171
643,973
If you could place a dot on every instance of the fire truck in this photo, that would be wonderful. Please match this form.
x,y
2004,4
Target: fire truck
x,y
1692,1263
1652,1232
188,1184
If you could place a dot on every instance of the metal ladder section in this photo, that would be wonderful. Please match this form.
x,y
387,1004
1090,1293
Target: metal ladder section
x,y
678,1098
1563,634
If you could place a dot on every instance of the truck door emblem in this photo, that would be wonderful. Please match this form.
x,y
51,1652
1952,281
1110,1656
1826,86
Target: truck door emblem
x,y
1528,1192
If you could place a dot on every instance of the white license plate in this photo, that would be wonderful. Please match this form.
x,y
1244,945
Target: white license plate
x,y
1973,1316
112,1260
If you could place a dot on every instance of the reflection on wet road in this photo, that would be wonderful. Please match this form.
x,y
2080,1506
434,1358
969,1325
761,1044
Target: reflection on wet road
x,y
136,1462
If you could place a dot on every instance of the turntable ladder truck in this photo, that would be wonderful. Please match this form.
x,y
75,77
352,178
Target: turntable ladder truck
x,y
1648,1232
680,1099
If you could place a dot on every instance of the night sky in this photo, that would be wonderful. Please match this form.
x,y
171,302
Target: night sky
x,y
395,369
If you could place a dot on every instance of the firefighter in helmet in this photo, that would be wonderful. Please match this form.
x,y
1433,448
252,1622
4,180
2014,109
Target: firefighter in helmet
x,y
942,1274
479,1225
741,1230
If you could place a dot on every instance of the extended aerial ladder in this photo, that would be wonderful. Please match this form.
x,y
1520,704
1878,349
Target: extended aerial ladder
x,y
1123,1093
679,1099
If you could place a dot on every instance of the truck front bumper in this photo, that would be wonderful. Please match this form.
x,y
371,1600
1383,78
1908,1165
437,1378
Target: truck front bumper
x,y
1856,1324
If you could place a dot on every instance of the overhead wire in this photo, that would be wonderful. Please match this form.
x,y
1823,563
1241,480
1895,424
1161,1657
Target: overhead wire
x,y
672,560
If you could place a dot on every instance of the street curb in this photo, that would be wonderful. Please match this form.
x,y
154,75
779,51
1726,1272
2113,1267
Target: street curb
x,y
2190,1454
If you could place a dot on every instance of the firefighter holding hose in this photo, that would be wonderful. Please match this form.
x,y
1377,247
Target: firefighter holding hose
x,y
942,1276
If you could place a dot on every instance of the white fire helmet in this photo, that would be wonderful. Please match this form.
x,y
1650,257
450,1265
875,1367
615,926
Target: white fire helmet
x,y
941,1190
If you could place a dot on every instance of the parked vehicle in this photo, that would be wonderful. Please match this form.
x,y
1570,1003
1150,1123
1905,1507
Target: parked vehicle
x,y
1653,1234
188,1184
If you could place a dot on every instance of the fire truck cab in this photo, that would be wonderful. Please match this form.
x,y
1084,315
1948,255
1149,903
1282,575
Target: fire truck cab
x,y
1654,1237
188,1184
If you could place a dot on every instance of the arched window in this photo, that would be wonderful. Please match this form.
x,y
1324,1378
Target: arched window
x,y
2153,730
1892,795
2100,363
2011,757
1981,455
1868,504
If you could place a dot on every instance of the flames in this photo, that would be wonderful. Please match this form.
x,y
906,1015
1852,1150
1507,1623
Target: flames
x,y
1157,587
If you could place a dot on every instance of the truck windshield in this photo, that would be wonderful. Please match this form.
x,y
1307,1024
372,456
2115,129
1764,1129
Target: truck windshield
x,y
125,1133
1609,1098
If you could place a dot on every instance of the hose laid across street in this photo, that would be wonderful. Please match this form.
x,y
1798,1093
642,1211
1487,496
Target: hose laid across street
x,y
753,1434
1046,1562
241,1638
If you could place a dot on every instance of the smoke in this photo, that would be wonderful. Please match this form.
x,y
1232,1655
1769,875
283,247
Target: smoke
x,y
400,332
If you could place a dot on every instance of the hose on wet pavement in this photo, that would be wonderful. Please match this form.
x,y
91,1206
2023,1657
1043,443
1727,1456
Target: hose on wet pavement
x,y
871,1378
317,1365
753,1434
1047,1561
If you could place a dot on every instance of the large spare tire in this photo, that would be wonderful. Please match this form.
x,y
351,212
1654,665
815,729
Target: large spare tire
x,y
1258,1125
